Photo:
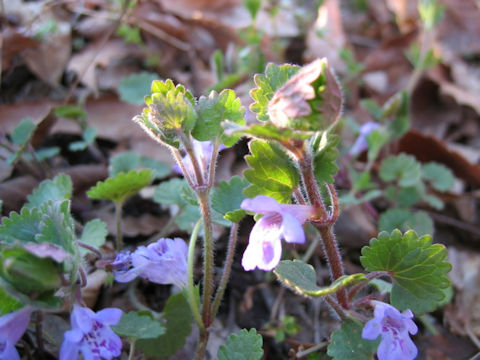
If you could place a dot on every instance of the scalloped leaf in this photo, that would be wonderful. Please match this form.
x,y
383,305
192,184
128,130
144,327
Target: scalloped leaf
x,y
245,345
88,138
133,88
274,78
228,196
8,303
325,156
404,169
178,322
215,109
438,175
418,268
170,192
139,325
129,160
122,186
271,132
404,220
347,343
58,188
271,172
21,226
302,278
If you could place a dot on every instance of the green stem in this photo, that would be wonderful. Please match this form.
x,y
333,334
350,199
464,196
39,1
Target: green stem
x,y
208,259
190,284
118,223
227,268
131,354
191,153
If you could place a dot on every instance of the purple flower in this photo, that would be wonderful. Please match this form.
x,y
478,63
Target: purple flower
x,y
163,262
12,327
264,249
203,151
122,267
91,334
394,327
361,144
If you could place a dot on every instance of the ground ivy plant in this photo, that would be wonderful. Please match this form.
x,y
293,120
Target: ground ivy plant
x,y
289,184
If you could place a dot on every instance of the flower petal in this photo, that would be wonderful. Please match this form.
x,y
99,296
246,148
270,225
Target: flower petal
x,y
82,318
300,212
9,352
69,350
109,316
261,204
292,230
372,329
14,324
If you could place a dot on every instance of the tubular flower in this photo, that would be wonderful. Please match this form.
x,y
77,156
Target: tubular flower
x,y
361,143
12,327
264,249
163,262
394,327
91,334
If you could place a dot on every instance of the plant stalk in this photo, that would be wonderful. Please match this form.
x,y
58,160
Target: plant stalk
x,y
118,223
190,283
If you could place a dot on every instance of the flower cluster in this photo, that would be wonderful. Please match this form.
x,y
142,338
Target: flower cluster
x,y
12,327
394,327
91,334
264,249
163,262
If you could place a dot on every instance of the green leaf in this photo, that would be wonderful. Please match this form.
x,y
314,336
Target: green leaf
x,y
170,111
89,135
215,109
8,303
131,35
227,197
418,268
70,112
94,234
22,132
253,7
438,175
268,131
133,88
400,112
160,169
170,192
59,188
376,139
246,345
324,157
271,172
139,325
302,278
178,322
274,78
347,343
404,220
129,160
431,12
121,187
189,215
404,169
21,226
45,153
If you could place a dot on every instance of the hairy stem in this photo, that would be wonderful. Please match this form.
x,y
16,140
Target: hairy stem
x,y
310,183
373,275
232,242
190,282
131,354
191,153
118,223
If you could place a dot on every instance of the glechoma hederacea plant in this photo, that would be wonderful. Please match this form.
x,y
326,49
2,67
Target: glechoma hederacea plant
x,y
288,186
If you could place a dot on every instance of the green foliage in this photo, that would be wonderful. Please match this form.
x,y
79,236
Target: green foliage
x,y
139,325
133,88
94,234
89,135
404,169
70,112
438,175
170,111
178,322
404,220
215,109
121,187
288,326
130,34
228,196
21,136
8,303
324,156
59,188
302,278
397,108
129,160
376,140
271,132
267,84
253,7
347,343
417,266
246,345
431,13
271,172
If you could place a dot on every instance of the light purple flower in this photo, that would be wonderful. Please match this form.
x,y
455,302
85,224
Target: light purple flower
x,y
163,262
361,144
264,249
122,267
12,327
394,327
203,151
91,334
